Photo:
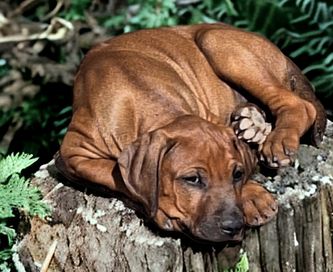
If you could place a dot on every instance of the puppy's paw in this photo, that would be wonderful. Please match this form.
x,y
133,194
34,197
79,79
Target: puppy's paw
x,y
249,124
259,206
280,147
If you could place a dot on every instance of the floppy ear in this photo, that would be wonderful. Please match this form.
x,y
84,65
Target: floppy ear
x,y
248,156
140,165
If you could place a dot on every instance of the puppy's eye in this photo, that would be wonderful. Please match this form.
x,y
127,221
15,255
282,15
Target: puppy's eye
x,y
238,174
193,180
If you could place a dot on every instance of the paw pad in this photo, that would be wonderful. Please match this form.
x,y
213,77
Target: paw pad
x,y
249,124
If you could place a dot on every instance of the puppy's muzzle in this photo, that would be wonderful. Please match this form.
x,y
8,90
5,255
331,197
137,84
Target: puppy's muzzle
x,y
222,227
232,227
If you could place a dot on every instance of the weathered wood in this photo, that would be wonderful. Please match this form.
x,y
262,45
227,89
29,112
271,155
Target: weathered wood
x,y
96,233
300,237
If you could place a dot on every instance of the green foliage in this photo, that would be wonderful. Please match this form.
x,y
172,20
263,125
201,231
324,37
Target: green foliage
x,y
76,10
242,265
144,14
44,122
303,29
14,164
152,14
16,194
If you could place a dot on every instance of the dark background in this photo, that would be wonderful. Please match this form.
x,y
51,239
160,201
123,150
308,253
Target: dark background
x,y
42,43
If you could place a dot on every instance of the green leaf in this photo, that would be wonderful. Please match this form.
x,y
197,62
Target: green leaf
x,y
4,267
7,231
18,194
231,8
243,264
14,164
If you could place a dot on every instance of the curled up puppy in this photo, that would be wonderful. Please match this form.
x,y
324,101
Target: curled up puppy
x,y
164,117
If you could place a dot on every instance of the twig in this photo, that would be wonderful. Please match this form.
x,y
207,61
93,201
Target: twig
x,y
54,11
23,7
49,256
9,135
66,29
3,20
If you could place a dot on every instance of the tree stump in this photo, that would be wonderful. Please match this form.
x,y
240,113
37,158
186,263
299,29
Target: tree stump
x,y
96,233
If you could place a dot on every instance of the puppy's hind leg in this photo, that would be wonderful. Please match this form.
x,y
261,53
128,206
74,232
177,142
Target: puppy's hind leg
x,y
256,65
300,85
84,159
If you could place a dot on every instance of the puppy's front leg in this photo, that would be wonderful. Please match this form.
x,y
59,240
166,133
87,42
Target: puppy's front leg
x,y
258,205
256,65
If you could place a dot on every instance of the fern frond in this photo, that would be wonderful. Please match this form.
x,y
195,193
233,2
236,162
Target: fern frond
x,y
15,193
4,267
14,163
6,253
9,232
18,194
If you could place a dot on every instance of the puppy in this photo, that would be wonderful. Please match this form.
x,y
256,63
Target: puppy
x,y
154,117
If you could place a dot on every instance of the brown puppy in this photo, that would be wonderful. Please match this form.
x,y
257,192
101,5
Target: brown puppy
x,y
156,105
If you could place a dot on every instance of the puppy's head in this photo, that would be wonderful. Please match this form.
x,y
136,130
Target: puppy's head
x,y
188,175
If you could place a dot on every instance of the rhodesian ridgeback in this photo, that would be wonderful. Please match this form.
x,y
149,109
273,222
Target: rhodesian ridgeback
x,y
160,115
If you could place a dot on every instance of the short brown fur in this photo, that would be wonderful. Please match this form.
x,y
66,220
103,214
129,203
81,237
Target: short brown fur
x,y
157,104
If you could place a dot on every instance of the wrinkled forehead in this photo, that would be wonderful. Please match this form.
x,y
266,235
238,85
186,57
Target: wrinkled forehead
x,y
212,147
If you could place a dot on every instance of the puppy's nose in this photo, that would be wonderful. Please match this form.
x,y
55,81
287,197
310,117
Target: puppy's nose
x,y
232,227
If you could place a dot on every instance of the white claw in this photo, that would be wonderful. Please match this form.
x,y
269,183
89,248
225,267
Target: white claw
x,y
285,162
274,164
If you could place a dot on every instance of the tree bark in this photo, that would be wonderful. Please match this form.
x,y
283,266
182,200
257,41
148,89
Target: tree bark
x,y
96,233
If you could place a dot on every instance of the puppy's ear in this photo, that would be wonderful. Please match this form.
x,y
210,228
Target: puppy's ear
x,y
248,156
140,165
